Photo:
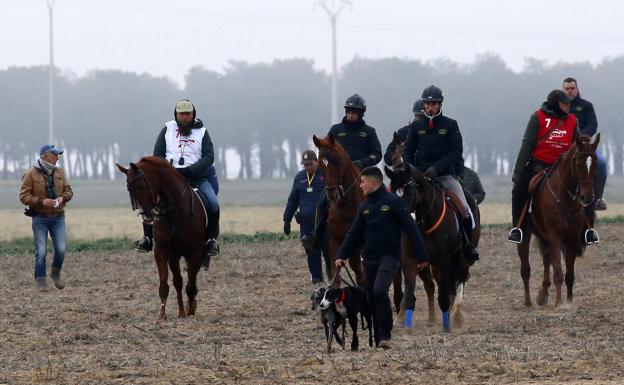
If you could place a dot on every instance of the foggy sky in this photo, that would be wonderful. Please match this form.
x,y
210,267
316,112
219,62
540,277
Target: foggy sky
x,y
166,38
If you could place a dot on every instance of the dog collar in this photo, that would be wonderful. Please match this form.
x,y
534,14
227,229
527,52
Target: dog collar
x,y
342,297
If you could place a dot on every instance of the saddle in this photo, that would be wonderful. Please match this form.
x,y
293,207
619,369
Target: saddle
x,y
456,203
537,181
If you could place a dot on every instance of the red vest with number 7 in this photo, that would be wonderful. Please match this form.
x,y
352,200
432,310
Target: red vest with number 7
x,y
551,143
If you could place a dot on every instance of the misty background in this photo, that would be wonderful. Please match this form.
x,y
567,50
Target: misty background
x,y
259,74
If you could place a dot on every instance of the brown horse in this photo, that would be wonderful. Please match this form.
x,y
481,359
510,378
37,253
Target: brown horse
x,y
163,196
559,216
444,243
345,196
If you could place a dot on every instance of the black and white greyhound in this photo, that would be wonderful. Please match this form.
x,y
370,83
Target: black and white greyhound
x,y
338,305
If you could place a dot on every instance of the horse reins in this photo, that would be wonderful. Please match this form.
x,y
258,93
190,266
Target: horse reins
x,y
440,219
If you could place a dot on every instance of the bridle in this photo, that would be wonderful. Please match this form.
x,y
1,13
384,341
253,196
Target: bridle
x,y
327,158
159,207
574,196
412,186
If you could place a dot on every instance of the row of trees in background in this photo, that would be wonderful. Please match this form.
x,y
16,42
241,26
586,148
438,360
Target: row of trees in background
x,y
262,116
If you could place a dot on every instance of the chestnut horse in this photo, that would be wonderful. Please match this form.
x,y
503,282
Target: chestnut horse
x,y
345,196
558,217
164,196
343,191
444,243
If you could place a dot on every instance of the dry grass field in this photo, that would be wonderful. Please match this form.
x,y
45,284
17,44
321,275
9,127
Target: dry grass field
x,y
254,325
114,222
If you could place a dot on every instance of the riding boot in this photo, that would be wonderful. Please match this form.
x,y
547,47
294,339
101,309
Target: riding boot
x,y
313,240
518,198
212,232
470,251
145,243
590,235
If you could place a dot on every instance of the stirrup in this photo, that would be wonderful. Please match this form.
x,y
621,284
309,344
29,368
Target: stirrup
x,y
511,238
594,239
212,247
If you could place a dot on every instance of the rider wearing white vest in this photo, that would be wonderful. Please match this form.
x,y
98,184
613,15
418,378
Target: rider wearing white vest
x,y
186,144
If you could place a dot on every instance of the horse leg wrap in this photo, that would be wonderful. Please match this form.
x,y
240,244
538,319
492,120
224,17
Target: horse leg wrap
x,y
409,323
446,321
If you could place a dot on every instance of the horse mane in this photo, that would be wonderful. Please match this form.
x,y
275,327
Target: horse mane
x,y
583,140
158,165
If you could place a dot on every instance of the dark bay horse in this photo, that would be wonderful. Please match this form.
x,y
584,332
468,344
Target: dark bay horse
x,y
559,216
441,228
343,191
164,196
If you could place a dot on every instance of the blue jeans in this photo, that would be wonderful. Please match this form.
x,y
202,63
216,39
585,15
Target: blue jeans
x,y
212,178
41,226
207,189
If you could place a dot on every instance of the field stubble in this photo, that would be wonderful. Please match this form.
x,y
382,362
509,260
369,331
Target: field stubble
x,y
254,325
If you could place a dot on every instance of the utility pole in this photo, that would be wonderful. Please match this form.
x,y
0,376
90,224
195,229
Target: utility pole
x,y
333,9
51,74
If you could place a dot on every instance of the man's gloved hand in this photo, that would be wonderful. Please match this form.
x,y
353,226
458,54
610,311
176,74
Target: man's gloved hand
x,y
185,172
287,228
339,263
298,217
431,172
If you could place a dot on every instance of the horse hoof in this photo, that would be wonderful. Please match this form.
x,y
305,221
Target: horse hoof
x,y
541,299
458,319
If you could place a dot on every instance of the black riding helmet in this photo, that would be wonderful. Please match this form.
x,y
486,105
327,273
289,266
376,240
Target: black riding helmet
x,y
418,106
355,102
432,94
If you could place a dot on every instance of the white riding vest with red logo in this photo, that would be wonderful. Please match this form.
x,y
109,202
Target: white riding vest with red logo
x,y
551,144
179,146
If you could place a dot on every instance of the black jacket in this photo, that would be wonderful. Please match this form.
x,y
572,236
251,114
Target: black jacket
x,y
402,133
304,200
199,169
585,114
359,140
472,183
439,147
379,222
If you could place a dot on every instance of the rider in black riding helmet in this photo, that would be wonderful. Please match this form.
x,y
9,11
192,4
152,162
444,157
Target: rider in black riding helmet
x,y
361,143
434,146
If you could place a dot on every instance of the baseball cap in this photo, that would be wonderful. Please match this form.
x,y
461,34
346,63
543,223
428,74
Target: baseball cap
x,y
184,106
50,148
308,155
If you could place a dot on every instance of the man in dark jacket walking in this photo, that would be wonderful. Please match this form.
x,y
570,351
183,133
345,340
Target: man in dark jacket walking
x,y
361,143
434,146
379,222
304,195
588,124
